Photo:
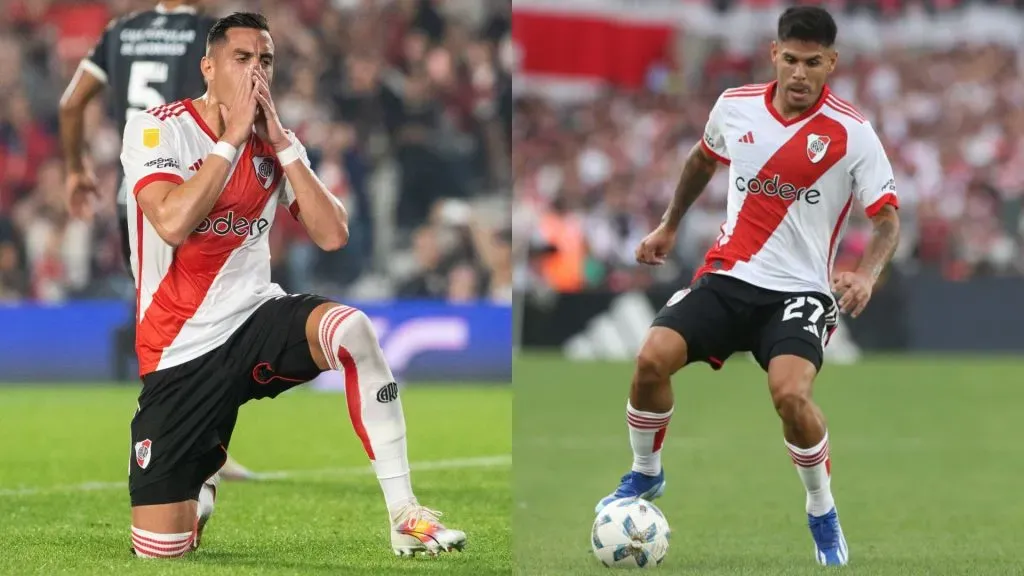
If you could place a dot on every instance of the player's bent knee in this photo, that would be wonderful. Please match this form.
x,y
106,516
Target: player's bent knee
x,y
790,402
354,331
360,328
662,355
650,370
331,322
349,342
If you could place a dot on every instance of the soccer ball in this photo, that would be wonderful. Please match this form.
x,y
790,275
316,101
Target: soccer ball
x,y
630,533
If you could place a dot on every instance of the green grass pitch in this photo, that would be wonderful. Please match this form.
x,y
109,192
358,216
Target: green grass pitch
x,y
64,503
927,467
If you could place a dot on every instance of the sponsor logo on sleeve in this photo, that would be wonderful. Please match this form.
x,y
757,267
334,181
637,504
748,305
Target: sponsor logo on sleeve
x,y
162,163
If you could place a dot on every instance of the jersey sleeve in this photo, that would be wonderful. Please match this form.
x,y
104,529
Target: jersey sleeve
x,y
97,61
713,141
287,195
149,154
873,180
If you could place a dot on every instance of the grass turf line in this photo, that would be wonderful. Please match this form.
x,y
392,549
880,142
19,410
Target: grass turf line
x,y
329,524
926,467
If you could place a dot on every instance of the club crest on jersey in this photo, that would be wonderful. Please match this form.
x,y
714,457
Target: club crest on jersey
x,y
143,451
264,167
817,146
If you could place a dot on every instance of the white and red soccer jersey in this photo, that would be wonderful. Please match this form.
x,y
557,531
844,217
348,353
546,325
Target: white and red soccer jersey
x,y
192,298
791,186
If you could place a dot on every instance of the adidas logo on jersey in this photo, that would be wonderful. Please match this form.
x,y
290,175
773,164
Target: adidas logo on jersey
x,y
229,224
747,138
773,187
813,330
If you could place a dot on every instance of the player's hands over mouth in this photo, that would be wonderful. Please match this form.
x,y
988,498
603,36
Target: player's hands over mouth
x,y
268,124
854,290
238,119
655,247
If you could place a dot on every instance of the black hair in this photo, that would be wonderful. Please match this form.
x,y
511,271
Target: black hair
x,y
807,23
219,32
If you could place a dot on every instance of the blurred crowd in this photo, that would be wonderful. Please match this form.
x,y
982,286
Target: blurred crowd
x,y
593,177
404,105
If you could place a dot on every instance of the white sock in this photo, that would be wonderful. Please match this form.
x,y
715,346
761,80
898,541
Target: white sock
x,y
646,435
208,496
814,465
374,406
153,545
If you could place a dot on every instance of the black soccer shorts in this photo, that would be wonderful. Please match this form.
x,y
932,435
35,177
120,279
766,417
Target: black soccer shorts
x,y
719,315
186,414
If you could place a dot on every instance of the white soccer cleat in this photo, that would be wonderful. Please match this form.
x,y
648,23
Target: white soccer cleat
x,y
418,529
232,470
204,509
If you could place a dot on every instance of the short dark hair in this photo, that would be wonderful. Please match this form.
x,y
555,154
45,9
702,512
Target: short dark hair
x,y
219,32
807,23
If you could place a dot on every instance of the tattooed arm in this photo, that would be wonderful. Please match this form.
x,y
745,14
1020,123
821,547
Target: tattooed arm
x,y
855,288
884,238
700,166
698,170
875,188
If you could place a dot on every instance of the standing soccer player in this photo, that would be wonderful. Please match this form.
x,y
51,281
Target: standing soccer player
x,y
798,157
148,59
205,177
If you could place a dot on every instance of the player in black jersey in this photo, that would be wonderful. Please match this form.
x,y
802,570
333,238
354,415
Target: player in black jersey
x,y
147,59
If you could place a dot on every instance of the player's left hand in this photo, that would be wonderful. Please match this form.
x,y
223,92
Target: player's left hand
x,y
268,124
854,290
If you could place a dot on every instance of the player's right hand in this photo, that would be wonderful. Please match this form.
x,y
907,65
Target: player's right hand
x,y
81,189
656,246
239,117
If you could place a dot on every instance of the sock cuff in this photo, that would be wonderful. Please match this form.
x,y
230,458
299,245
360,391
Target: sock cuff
x,y
154,545
809,457
647,420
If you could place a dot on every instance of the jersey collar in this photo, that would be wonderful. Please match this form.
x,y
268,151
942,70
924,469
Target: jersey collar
x,y
183,9
770,93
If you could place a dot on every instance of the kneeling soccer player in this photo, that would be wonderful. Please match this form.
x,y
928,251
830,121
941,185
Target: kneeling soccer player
x,y
206,177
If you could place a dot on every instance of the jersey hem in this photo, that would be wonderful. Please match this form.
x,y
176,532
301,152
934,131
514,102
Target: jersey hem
x,y
179,359
803,288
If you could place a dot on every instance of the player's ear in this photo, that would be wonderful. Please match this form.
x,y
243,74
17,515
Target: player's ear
x,y
206,65
833,58
774,51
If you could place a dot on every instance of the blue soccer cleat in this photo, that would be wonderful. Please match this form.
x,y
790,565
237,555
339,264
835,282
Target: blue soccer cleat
x,y
636,485
830,547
